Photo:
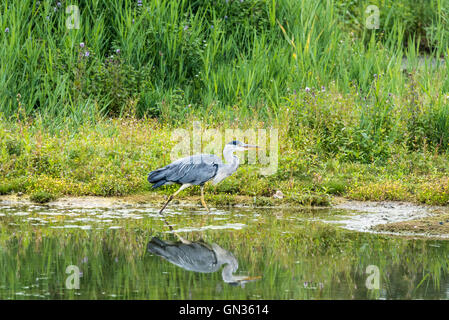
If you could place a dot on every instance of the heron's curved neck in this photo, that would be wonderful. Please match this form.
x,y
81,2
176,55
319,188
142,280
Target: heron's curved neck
x,y
228,270
226,258
231,159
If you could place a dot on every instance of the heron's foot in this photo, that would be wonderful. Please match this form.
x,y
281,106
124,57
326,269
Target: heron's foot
x,y
175,233
207,209
203,202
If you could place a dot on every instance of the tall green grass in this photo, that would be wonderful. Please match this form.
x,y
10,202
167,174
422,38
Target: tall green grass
x,y
180,57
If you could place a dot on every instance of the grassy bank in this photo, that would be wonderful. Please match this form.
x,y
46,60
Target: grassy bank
x,y
113,158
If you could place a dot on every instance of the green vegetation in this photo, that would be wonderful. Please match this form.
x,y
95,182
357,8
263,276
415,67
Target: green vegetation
x,y
362,113
42,197
113,158
171,59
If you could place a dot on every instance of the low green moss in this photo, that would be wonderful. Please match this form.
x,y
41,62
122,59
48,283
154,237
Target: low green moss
x,y
434,193
263,202
221,200
380,191
336,187
311,199
42,197
14,185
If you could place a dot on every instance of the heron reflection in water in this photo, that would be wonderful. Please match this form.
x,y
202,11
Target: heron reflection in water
x,y
199,256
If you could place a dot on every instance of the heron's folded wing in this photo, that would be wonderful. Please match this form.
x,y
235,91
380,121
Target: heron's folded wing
x,y
192,257
195,169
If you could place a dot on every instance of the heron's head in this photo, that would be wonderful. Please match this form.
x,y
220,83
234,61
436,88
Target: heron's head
x,y
240,146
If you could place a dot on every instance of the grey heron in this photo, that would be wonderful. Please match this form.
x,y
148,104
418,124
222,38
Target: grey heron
x,y
198,169
199,256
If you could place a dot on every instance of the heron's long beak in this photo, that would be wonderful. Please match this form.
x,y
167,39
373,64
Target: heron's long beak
x,y
251,146
252,278
247,279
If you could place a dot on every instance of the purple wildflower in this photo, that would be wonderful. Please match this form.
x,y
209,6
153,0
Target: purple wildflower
x,y
323,89
6,30
87,53
139,3
307,89
186,27
82,44
59,4
117,51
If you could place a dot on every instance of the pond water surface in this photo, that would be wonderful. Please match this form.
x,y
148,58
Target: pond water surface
x,y
282,254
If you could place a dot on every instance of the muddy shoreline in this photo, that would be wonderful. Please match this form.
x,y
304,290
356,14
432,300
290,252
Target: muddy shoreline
x,y
384,217
157,200
395,218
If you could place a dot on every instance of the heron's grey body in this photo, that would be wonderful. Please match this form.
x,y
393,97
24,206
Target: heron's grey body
x,y
195,170
198,169
199,257
195,256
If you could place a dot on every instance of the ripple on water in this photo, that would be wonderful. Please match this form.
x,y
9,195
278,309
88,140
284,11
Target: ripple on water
x,y
72,226
234,226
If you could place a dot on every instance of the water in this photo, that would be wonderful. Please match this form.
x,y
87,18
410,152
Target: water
x,y
289,254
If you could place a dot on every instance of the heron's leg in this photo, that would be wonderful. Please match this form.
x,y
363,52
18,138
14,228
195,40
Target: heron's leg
x,y
173,195
176,234
169,199
204,205
202,199
163,218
